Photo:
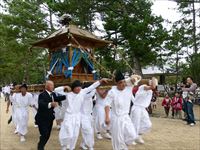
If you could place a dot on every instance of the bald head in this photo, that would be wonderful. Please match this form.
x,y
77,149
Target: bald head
x,y
49,85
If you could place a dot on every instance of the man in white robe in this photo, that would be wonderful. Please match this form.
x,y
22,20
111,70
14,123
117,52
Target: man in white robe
x,y
119,99
21,102
87,123
34,104
60,109
13,116
70,127
139,114
58,115
101,129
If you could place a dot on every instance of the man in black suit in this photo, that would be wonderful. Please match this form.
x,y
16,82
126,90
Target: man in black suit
x,y
47,100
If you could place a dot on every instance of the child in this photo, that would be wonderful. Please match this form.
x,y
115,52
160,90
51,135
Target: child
x,y
87,128
166,104
177,105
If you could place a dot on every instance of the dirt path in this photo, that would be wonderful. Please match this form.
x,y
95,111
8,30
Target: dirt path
x,y
166,134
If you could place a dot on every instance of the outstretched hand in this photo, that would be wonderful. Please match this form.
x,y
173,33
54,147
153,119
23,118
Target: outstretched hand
x,y
67,88
135,78
104,80
54,104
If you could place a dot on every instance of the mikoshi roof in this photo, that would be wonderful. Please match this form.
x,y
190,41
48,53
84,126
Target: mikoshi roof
x,y
76,32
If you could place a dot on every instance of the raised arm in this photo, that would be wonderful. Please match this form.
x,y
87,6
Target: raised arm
x,y
133,80
61,90
192,88
59,98
147,87
90,94
94,86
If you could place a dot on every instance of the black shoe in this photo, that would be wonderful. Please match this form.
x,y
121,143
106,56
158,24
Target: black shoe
x,y
9,120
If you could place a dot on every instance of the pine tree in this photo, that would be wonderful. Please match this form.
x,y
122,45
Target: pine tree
x,y
22,23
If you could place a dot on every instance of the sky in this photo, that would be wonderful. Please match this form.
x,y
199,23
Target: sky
x,y
167,9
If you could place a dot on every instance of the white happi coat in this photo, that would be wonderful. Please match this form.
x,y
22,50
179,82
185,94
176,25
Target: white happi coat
x,y
99,114
139,114
87,125
70,126
21,112
122,129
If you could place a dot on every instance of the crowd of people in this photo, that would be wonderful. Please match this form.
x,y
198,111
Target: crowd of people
x,y
182,102
119,114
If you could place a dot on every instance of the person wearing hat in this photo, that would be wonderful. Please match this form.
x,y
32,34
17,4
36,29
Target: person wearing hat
x,y
87,129
139,114
70,126
119,99
21,101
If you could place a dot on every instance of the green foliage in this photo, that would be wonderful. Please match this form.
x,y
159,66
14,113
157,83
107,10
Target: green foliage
x,y
21,24
139,35
189,38
136,29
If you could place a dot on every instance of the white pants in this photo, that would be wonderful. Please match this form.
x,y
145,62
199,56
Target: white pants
x,y
140,119
69,130
122,132
34,111
99,115
21,119
58,113
14,119
87,130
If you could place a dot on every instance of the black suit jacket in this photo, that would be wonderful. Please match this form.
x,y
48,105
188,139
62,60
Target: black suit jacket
x,y
44,113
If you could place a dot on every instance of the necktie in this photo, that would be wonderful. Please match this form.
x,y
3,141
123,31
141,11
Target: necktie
x,y
52,97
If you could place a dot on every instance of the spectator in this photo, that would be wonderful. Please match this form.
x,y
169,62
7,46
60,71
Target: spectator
x,y
177,106
166,104
190,114
188,105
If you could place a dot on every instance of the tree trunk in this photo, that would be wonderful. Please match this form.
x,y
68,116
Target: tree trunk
x,y
26,73
51,20
194,28
177,60
137,66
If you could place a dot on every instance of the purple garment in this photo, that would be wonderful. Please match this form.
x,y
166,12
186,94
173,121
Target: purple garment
x,y
192,88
